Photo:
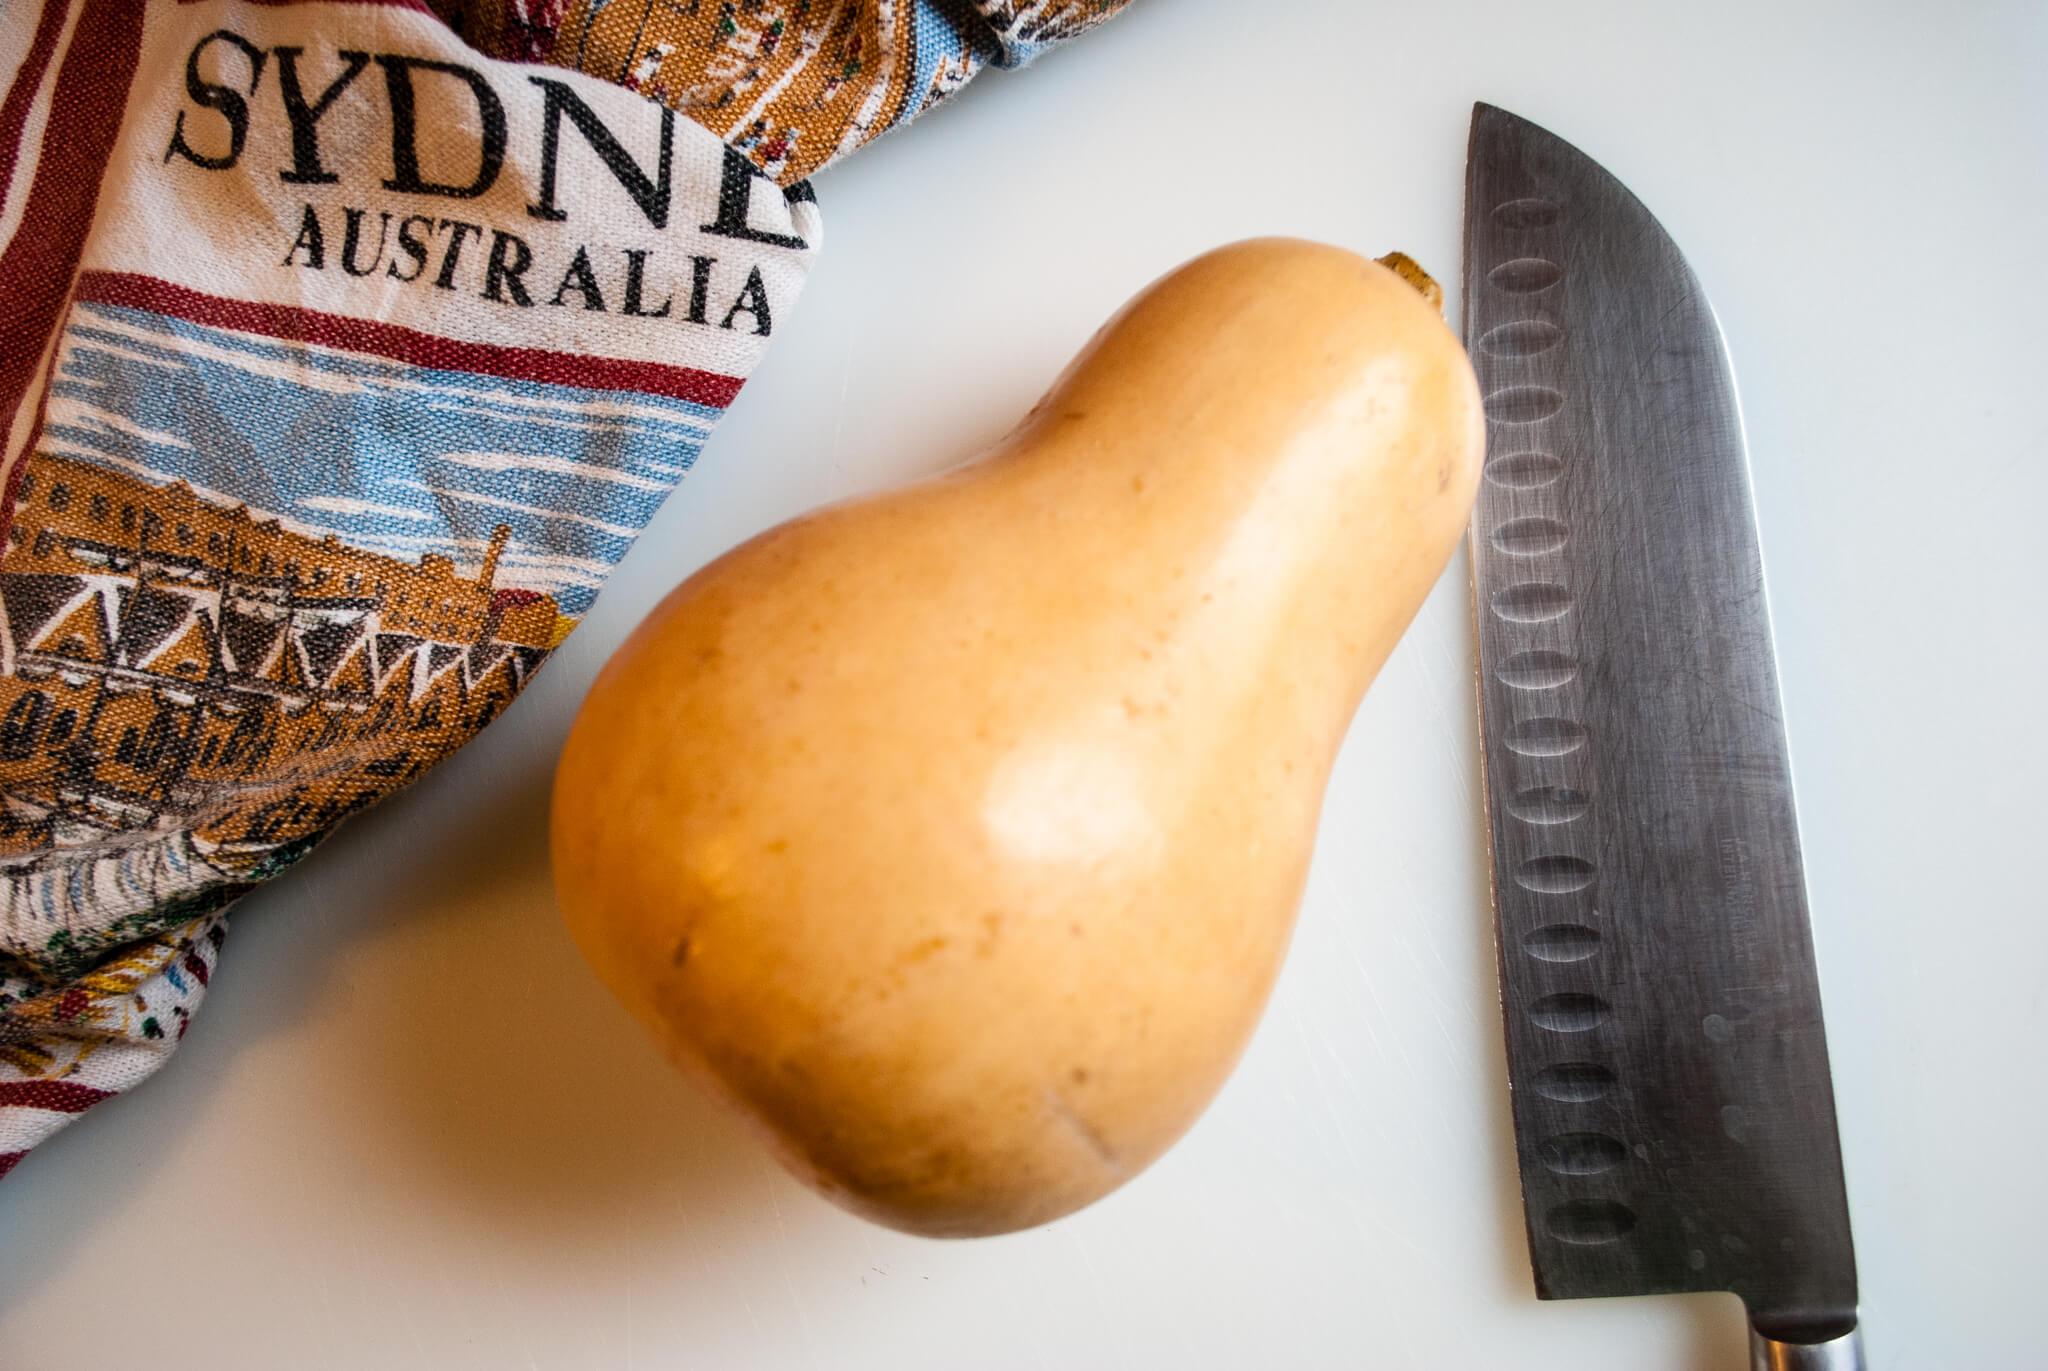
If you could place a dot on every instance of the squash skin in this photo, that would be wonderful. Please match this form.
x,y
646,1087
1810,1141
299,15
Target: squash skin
x,y
954,835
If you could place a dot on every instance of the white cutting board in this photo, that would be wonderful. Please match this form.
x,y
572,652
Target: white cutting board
x,y
410,1130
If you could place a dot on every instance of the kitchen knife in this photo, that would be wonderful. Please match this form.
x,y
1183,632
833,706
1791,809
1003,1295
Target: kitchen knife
x,y
1674,1118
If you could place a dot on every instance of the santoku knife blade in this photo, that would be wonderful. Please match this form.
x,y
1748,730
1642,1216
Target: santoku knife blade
x,y
1674,1117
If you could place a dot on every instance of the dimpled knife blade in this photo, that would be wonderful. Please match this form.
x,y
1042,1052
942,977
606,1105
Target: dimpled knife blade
x,y
1674,1117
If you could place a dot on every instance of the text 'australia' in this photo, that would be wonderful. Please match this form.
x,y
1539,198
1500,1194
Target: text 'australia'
x,y
409,242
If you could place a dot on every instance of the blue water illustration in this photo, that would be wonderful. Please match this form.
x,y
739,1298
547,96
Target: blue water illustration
x,y
387,456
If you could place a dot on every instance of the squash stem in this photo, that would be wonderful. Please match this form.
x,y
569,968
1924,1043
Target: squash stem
x,y
1409,270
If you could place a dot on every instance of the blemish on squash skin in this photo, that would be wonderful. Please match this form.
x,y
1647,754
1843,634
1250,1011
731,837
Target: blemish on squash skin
x,y
1084,1131
924,951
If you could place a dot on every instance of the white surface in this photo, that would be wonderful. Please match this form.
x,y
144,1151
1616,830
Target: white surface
x,y
410,1130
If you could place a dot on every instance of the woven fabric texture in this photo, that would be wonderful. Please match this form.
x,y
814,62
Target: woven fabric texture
x,y
794,84
348,347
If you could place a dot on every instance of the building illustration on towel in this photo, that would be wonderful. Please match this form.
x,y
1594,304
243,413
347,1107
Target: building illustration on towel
x,y
792,84
251,585
167,660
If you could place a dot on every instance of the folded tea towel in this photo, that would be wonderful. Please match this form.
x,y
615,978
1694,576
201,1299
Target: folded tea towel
x,y
347,346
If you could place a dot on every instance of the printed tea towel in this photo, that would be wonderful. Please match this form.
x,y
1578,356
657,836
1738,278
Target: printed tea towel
x,y
345,346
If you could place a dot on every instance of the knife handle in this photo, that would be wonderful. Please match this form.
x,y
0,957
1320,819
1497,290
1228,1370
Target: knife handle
x,y
1837,1354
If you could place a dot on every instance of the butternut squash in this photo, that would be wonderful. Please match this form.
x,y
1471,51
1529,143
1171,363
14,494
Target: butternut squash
x,y
955,835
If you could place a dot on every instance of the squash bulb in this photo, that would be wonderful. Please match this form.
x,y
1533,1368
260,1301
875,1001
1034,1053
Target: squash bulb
x,y
954,835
